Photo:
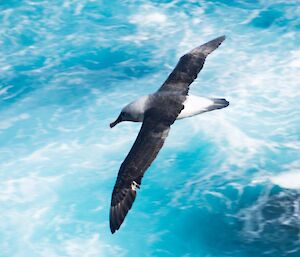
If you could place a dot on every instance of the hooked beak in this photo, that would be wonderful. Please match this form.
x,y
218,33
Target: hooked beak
x,y
118,120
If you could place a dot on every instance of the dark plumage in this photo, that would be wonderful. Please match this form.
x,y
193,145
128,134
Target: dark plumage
x,y
161,110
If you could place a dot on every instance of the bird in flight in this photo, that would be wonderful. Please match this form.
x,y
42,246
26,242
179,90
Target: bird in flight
x,y
157,112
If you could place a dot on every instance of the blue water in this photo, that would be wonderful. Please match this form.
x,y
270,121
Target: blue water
x,y
226,183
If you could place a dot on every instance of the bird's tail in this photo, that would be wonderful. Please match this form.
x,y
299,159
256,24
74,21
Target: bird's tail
x,y
219,103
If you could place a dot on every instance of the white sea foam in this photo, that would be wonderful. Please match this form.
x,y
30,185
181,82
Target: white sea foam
x,y
61,167
287,180
5,124
152,18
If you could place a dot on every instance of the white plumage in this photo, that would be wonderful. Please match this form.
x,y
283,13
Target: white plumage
x,y
194,105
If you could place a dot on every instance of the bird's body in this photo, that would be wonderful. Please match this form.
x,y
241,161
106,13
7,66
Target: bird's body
x,y
157,112
193,105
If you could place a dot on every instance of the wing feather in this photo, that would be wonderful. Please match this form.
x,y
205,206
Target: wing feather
x,y
148,143
188,67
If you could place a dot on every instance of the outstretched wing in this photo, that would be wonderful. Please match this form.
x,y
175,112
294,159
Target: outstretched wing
x,y
188,67
149,141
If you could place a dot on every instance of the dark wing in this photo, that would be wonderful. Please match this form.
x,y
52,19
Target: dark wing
x,y
149,141
188,67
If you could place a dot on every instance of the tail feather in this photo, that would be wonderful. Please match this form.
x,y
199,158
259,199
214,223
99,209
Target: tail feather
x,y
219,103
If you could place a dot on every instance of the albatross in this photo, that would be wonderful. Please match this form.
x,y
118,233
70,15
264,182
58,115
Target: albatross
x,y
157,112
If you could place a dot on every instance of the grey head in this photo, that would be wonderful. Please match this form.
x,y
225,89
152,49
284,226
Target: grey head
x,y
123,116
133,111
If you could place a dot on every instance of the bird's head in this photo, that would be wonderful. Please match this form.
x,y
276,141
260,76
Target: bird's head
x,y
123,116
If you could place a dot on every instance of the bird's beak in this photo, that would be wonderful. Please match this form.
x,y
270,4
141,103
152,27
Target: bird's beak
x,y
118,120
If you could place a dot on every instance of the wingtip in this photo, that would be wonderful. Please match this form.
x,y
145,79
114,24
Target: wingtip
x,y
119,211
113,227
210,46
214,44
112,230
114,222
222,38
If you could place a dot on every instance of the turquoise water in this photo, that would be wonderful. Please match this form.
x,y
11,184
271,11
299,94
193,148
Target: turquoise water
x,y
227,183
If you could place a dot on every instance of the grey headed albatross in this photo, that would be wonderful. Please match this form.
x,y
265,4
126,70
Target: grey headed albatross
x,y
157,112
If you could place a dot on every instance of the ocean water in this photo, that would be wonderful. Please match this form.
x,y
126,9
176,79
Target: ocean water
x,y
226,183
